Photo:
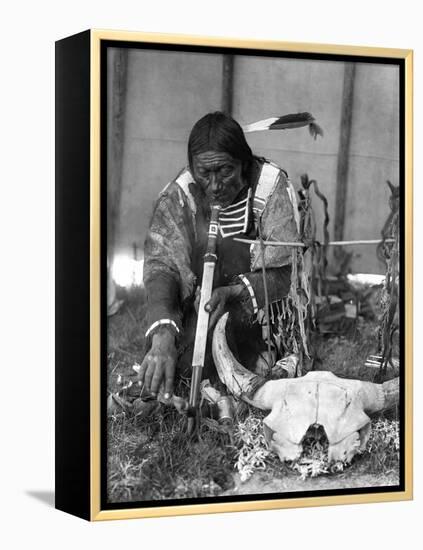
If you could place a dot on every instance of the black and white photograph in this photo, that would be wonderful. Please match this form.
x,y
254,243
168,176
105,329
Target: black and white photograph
x,y
254,240
211,274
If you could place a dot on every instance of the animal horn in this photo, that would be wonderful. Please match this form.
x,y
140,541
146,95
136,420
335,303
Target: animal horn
x,y
391,393
242,383
261,393
239,381
380,397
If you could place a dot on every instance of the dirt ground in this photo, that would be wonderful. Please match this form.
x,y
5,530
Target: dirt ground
x,y
261,484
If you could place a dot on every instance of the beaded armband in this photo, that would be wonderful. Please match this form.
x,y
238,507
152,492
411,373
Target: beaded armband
x,y
163,322
250,289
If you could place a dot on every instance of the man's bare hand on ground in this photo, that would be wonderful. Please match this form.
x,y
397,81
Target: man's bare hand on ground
x,y
159,364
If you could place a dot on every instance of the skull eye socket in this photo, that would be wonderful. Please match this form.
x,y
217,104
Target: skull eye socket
x,y
268,434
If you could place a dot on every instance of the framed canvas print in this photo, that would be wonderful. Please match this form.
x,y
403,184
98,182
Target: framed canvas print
x,y
233,275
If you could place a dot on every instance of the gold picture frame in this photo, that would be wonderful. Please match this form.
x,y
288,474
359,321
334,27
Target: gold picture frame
x,y
79,353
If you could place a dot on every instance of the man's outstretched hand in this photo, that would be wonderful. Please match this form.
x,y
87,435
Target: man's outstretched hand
x,y
220,297
159,364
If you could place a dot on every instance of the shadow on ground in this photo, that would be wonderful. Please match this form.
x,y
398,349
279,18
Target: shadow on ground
x,y
46,497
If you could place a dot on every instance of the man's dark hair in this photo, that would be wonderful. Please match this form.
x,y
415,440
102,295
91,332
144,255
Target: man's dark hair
x,y
219,132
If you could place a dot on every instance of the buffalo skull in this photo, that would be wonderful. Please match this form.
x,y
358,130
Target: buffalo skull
x,y
339,405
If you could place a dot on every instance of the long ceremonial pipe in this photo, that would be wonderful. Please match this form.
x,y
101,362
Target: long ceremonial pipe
x,y
302,245
200,342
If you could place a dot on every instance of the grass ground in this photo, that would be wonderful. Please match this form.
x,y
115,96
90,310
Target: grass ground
x,y
153,458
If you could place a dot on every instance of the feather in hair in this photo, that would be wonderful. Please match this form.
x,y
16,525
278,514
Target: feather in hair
x,y
285,122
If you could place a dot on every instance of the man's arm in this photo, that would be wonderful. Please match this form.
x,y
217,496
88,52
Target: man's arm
x,y
278,282
278,223
248,291
163,304
168,279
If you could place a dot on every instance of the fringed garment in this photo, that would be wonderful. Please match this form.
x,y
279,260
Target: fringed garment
x,y
176,242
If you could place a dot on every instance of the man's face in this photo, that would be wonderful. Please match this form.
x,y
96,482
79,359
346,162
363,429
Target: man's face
x,y
219,175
